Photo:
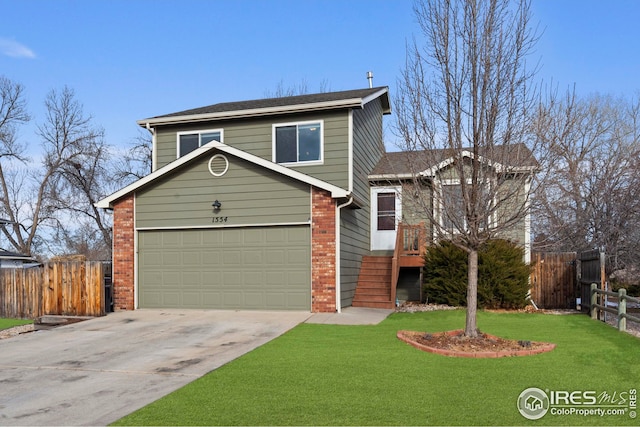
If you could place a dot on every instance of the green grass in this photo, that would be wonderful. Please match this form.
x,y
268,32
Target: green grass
x,y
364,375
10,323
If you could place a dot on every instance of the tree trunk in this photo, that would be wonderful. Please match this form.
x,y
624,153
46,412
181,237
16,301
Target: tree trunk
x,y
471,327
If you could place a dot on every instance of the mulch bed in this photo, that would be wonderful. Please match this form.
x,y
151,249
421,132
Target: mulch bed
x,y
455,344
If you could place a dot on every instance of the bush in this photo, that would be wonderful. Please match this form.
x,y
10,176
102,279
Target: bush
x,y
503,276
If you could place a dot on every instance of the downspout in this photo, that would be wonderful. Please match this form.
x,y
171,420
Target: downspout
x,y
338,267
154,158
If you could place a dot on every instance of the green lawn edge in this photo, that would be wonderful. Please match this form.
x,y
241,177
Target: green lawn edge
x,y
10,323
363,375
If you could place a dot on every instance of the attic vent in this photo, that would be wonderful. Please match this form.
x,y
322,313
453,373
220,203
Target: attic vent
x,y
218,165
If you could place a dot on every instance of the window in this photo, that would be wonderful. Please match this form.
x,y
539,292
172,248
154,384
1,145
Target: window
x,y
452,207
297,143
189,141
387,211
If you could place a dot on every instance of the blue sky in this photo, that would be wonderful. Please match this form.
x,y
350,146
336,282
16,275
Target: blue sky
x,y
133,59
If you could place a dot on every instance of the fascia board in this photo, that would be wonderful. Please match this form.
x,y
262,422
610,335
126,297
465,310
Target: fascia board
x,y
255,112
375,95
391,177
336,192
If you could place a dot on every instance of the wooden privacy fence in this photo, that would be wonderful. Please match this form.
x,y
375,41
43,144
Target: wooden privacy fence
x,y
553,279
59,288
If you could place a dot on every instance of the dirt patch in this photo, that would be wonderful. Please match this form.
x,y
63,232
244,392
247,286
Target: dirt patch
x,y
16,330
455,344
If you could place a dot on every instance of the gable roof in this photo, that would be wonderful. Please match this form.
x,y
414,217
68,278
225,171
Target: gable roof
x,y
406,164
260,107
336,192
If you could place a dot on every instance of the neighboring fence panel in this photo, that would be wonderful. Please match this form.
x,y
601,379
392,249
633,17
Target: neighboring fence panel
x,y
59,288
553,279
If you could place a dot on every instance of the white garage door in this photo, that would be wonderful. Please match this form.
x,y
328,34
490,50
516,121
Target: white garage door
x,y
232,268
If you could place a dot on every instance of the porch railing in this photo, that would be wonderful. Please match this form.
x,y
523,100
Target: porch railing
x,y
411,241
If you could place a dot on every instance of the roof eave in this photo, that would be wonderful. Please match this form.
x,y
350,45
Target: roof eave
x,y
255,112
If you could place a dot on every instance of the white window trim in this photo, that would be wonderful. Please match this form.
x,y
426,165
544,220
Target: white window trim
x,y
199,133
305,163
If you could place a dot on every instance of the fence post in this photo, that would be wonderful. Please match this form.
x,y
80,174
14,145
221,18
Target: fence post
x,y
594,301
622,309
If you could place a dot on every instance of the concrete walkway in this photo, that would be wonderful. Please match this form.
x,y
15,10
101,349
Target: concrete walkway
x,y
352,316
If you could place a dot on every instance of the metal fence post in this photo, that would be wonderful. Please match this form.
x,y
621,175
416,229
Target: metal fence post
x,y
594,301
622,309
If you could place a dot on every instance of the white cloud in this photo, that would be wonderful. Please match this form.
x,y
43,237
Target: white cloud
x,y
14,49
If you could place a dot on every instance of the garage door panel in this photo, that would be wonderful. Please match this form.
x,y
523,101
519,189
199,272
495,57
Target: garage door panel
x,y
231,257
253,257
252,268
297,257
211,299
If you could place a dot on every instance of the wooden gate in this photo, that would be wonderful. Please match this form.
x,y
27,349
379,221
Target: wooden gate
x,y
592,270
553,280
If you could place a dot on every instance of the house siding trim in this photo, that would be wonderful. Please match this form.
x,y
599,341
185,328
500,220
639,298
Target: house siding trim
x,y
206,227
335,191
124,259
323,252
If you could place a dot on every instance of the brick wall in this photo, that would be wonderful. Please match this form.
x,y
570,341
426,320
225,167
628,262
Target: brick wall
x,y
123,254
323,252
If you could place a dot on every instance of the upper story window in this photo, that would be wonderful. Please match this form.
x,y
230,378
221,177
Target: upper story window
x,y
189,141
298,143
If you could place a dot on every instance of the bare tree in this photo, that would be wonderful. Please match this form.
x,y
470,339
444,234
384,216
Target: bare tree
x,y
592,198
464,106
35,194
301,88
136,161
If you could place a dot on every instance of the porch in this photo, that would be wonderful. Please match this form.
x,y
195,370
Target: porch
x,y
380,275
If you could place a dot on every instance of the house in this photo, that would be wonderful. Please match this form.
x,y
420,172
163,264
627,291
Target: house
x,y
406,184
10,259
278,204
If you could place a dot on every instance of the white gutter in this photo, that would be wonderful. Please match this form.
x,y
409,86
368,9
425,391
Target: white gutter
x,y
338,263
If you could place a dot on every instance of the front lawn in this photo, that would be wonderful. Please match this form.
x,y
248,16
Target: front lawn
x,y
10,323
364,375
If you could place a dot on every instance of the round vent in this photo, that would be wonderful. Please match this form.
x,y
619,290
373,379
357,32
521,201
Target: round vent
x,y
218,165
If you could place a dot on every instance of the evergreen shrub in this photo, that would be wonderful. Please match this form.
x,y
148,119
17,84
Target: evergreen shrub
x,y
503,276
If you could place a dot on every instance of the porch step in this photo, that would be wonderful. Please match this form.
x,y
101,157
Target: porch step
x,y
374,283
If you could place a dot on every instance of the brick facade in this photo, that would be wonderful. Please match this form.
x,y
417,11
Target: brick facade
x,y
123,254
323,252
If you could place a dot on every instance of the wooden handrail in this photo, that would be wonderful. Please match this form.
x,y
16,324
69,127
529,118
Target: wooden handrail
x,y
411,240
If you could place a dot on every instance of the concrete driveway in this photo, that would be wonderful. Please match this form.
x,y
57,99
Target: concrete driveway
x,y
96,371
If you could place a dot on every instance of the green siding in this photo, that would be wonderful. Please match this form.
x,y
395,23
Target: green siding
x,y
354,243
249,194
254,136
355,236
368,146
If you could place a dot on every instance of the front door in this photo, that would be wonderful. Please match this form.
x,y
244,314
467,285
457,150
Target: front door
x,y
386,211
